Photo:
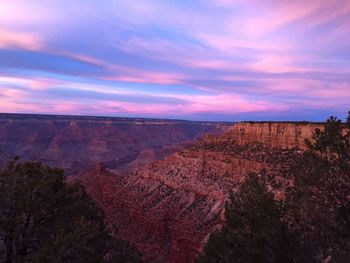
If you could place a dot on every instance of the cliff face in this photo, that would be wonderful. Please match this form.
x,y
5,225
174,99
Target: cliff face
x,y
77,143
169,208
285,135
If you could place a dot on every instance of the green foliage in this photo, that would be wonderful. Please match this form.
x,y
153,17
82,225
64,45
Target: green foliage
x,y
320,200
333,141
254,230
43,219
312,224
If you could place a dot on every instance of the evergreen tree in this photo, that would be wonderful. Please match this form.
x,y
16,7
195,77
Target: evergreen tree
x,y
312,224
320,198
43,219
254,230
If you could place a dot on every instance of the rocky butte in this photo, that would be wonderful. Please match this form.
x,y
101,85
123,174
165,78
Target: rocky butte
x,y
169,207
76,143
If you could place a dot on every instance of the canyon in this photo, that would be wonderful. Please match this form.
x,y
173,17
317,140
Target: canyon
x,y
76,143
163,184
169,207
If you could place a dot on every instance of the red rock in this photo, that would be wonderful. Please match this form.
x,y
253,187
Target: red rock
x,y
169,208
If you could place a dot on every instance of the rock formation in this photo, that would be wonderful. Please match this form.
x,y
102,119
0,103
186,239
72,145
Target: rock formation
x,y
76,143
169,207
274,134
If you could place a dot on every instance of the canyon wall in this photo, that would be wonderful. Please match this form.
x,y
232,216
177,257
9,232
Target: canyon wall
x,y
274,134
161,186
76,143
169,207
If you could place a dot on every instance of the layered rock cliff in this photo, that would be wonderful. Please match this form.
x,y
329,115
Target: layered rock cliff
x,y
76,143
169,208
274,134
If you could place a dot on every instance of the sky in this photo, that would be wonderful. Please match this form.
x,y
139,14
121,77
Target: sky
x,y
219,60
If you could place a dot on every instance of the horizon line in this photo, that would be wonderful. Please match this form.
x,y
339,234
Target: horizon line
x,y
155,119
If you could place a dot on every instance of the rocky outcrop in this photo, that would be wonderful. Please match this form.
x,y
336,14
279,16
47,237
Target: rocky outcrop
x,y
169,208
274,134
76,143
156,217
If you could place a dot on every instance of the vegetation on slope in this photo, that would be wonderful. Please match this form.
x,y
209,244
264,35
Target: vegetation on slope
x,y
43,219
310,224
254,230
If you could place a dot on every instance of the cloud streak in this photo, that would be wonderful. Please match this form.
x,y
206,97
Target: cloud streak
x,y
213,60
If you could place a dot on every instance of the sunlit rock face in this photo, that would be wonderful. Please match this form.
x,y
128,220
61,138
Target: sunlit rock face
x,y
77,143
169,207
284,135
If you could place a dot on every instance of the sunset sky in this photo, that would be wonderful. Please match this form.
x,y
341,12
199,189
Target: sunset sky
x,y
188,59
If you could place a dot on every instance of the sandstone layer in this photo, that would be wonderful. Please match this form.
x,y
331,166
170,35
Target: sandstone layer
x,y
274,134
169,208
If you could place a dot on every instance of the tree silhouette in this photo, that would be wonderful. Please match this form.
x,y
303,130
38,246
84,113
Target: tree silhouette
x,y
43,219
254,230
312,222
320,199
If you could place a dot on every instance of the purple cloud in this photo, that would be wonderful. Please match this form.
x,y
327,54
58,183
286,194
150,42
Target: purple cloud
x,y
229,59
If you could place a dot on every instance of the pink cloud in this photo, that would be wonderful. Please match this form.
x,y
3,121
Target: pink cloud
x,y
18,107
19,39
280,63
29,83
224,104
230,103
128,74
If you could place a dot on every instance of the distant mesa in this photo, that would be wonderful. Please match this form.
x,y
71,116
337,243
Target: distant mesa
x,y
76,143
